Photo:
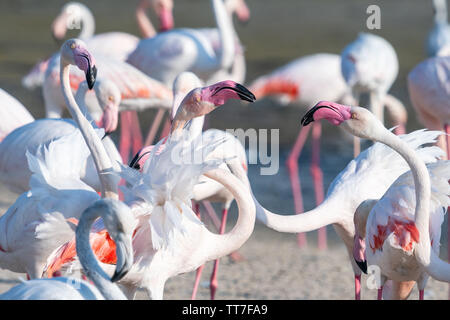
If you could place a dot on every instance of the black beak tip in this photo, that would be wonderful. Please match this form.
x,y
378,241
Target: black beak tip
x,y
118,275
244,93
91,75
362,265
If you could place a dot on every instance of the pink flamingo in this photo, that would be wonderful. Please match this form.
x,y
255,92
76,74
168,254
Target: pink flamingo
x,y
396,227
183,85
14,170
429,93
138,92
175,243
305,81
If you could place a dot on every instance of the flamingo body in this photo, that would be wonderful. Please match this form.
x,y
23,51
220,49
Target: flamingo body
x,y
13,114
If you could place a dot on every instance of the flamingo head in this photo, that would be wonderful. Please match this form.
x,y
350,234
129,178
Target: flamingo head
x,y
120,223
109,99
240,8
201,101
163,9
143,155
358,121
74,51
71,13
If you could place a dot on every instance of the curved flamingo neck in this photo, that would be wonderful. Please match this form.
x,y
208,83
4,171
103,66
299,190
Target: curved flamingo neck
x,y
226,32
88,23
88,260
216,245
420,175
144,23
100,156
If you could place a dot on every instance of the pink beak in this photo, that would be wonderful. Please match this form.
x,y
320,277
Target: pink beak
x,y
335,113
165,19
109,118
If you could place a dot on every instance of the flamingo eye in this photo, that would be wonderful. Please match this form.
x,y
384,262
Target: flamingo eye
x,y
73,45
354,116
111,98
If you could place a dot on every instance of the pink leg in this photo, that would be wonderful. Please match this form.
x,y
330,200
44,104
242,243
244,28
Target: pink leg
x,y
380,293
421,294
155,125
356,146
214,284
136,133
125,136
357,287
292,165
317,176
28,277
447,139
198,274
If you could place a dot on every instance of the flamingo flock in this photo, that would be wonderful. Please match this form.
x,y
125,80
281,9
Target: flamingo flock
x,y
125,215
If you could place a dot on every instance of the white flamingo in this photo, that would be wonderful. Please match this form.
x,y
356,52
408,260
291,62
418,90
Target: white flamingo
x,y
304,81
168,54
14,170
120,224
370,65
371,173
400,221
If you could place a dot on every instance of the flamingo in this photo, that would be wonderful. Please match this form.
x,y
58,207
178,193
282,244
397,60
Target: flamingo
x,y
138,92
400,219
429,93
120,224
14,170
371,173
38,217
168,54
439,36
370,65
158,168
182,87
13,114
305,81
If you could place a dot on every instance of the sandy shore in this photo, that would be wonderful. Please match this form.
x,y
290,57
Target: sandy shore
x,y
274,268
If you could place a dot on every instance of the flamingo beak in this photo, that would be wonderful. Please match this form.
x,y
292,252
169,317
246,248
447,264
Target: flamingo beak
x,y
91,75
362,265
241,91
124,253
333,112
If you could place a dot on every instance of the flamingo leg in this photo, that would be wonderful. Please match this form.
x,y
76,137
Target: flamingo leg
x,y
447,139
214,283
317,176
380,293
136,133
356,146
421,294
199,271
292,165
125,136
357,287
155,125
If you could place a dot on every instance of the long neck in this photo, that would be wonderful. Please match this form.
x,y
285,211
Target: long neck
x,y
238,69
99,154
216,246
88,27
80,99
320,216
88,260
421,179
226,32
144,23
